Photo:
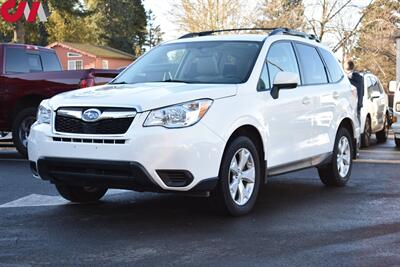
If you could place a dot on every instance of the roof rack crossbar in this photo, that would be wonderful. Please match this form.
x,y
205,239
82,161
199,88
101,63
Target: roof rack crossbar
x,y
294,33
205,33
273,31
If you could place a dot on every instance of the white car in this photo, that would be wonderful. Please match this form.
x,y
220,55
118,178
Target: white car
x,y
212,114
375,118
396,115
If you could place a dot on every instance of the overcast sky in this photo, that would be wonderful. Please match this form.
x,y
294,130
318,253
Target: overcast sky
x,y
161,8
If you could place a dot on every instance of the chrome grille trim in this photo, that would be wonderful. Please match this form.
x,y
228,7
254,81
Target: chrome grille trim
x,y
76,113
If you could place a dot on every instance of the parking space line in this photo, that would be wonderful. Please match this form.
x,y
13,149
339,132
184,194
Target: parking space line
x,y
380,151
378,161
37,200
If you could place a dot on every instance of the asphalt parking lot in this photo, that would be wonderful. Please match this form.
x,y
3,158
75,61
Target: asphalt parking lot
x,y
297,222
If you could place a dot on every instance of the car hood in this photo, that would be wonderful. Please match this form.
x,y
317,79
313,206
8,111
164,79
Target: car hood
x,y
142,97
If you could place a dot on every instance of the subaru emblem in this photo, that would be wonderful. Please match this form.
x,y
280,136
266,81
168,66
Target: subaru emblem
x,y
91,115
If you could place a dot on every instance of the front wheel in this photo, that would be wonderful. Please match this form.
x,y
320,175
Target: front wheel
x,y
338,171
366,136
382,135
79,194
239,178
21,129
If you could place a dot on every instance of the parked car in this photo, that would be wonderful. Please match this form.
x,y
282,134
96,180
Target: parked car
x,y
396,115
375,114
29,74
203,114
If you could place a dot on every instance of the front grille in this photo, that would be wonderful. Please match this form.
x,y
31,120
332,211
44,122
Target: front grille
x,y
106,126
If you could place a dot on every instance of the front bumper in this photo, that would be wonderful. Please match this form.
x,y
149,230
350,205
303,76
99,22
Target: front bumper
x,y
144,159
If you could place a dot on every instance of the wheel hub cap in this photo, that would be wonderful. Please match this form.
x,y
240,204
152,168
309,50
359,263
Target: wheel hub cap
x,y
343,157
242,177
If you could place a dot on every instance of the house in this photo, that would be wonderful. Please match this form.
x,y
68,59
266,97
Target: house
x,y
76,56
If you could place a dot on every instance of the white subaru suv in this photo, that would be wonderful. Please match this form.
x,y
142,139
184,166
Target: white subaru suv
x,y
208,114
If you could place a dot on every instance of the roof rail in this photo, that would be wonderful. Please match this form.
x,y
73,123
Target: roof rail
x,y
205,33
288,31
273,31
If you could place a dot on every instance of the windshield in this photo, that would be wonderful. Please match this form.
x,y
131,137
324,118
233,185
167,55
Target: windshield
x,y
219,62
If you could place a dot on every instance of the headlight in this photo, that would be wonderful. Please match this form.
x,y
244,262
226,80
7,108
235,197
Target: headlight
x,y
398,107
178,116
43,114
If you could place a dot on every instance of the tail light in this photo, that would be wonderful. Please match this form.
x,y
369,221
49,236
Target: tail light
x,y
86,83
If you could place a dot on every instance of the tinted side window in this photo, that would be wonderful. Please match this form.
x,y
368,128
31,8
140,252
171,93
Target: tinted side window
x,y
16,61
50,61
312,68
281,57
335,71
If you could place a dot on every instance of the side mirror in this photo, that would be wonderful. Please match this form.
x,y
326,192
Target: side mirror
x,y
375,94
284,80
392,86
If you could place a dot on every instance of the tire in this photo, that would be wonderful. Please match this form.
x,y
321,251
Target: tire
x,y
397,141
78,194
366,136
21,128
232,176
331,174
382,135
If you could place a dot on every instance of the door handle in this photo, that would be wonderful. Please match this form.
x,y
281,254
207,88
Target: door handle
x,y
306,100
335,95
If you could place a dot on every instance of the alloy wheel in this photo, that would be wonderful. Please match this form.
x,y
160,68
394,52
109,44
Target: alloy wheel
x,y
343,156
242,176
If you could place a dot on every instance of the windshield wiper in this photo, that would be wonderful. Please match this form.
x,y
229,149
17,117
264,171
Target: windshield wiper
x,y
119,83
174,81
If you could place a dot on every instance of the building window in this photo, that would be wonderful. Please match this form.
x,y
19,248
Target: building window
x,y
75,64
105,64
70,54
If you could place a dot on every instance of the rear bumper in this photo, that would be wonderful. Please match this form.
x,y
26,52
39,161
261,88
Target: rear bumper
x,y
111,174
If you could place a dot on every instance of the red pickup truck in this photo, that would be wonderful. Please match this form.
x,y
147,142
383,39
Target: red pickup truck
x,y
29,74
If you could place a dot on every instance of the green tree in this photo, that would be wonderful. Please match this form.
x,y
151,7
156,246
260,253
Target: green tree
x,y
154,33
67,27
375,50
120,24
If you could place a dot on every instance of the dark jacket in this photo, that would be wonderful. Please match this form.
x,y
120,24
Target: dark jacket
x,y
357,80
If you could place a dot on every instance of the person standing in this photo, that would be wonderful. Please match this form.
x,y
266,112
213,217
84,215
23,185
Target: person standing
x,y
357,80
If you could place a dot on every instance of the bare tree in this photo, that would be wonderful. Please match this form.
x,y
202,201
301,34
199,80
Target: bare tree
x,y
280,13
201,15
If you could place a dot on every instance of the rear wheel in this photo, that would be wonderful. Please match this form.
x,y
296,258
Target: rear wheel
x,y
239,178
79,194
382,136
366,136
21,129
338,171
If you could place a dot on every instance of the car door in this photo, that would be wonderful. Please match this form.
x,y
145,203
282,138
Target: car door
x,y
381,102
324,97
376,112
289,118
